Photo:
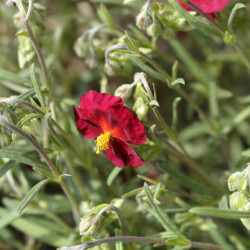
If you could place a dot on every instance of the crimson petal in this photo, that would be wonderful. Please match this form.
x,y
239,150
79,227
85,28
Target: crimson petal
x,y
207,6
87,128
121,154
126,126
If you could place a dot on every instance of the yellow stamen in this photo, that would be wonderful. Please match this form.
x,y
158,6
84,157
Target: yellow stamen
x,y
102,142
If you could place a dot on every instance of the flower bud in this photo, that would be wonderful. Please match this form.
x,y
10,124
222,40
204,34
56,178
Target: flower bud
x,y
234,181
10,3
112,68
85,224
144,20
229,38
124,91
26,52
154,29
81,47
140,108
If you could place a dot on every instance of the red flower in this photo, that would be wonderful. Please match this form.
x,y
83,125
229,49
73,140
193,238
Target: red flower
x,y
207,6
105,118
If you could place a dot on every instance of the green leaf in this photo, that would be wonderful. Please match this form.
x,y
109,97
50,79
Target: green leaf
x,y
147,179
107,16
145,68
159,214
21,157
31,194
178,242
246,153
178,81
219,213
243,115
154,103
130,42
175,113
193,66
22,33
44,171
132,193
236,7
58,140
39,228
194,21
7,219
25,120
113,175
11,77
36,86
7,166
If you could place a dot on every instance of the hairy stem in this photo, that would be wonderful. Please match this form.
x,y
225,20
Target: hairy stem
x,y
50,163
87,245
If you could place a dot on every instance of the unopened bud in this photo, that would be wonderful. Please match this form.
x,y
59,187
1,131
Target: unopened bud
x,y
85,224
144,20
112,68
81,47
154,29
234,181
39,7
140,108
229,38
10,3
124,91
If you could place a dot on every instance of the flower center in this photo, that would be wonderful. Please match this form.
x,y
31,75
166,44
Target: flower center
x,y
102,142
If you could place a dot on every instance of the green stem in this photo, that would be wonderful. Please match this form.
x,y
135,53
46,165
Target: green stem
x,y
193,244
50,163
76,178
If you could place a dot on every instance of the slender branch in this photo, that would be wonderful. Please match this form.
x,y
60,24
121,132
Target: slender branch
x,y
87,245
113,47
33,40
201,245
118,213
50,163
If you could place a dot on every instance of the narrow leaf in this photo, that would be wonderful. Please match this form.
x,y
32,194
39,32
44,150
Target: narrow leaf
x,y
236,7
113,175
107,17
36,86
215,212
31,194
21,157
7,166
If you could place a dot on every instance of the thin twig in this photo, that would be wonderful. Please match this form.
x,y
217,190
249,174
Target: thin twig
x,y
87,245
25,20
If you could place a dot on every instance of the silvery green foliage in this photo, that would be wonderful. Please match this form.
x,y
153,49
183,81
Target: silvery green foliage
x,y
124,91
170,18
239,200
26,52
145,18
